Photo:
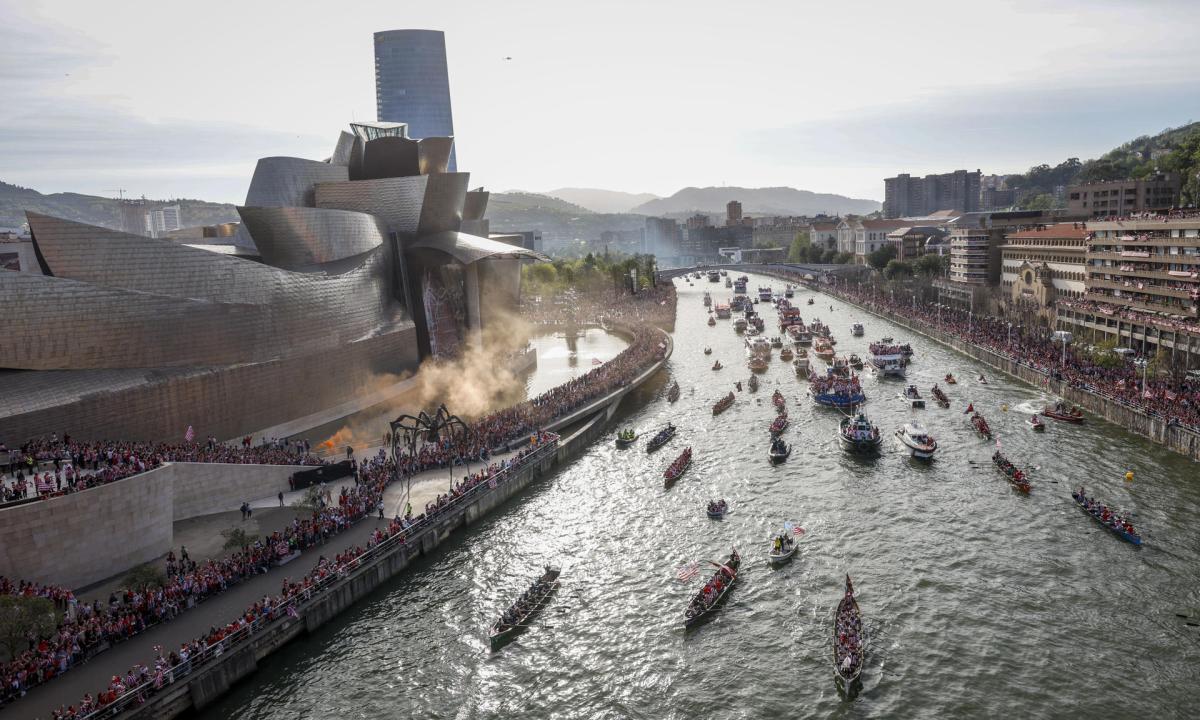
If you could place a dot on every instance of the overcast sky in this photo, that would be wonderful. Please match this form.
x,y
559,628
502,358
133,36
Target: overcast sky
x,y
172,99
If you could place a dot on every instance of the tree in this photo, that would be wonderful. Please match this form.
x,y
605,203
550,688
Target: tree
x,y
237,538
144,576
896,270
800,250
22,617
843,258
931,265
881,256
1040,201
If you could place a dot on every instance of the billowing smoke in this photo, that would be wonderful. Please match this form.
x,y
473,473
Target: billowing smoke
x,y
478,382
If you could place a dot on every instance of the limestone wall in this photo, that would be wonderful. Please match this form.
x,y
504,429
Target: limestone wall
x,y
206,488
82,538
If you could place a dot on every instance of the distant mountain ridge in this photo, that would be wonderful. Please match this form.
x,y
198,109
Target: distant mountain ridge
x,y
602,201
757,201
103,211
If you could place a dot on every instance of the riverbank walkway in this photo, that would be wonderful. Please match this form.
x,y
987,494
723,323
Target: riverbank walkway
x,y
94,675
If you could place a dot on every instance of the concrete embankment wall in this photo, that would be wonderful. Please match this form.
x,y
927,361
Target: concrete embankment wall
x,y
213,679
85,537
1179,439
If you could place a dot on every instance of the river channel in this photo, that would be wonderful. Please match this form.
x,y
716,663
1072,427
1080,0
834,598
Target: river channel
x,y
981,602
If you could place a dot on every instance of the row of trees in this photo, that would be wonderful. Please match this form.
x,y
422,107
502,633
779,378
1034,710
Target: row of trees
x,y
590,273
803,251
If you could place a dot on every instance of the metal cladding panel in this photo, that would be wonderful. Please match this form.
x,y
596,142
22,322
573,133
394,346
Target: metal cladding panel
x,y
182,306
467,249
475,206
435,154
355,171
228,401
444,200
289,181
397,200
300,238
390,157
341,152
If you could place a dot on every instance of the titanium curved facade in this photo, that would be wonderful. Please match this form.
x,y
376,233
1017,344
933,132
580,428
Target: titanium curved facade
x,y
135,337
390,157
412,83
288,181
302,239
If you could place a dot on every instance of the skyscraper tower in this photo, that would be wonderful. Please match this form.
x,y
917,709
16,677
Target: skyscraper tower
x,y
412,84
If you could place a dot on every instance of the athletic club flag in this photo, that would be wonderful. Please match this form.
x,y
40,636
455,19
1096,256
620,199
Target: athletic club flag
x,y
597,361
190,435
687,572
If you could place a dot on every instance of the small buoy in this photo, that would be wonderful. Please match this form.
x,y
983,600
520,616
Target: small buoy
x,y
1004,407
1129,476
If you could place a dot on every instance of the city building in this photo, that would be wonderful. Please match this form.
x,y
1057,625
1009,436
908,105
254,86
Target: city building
x,y
133,216
971,250
162,221
698,221
363,271
412,83
870,235
847,234
1039,265
733,213
997,198
824,234
1148,265
529,239
629,242
1142,288
1120,198
906,196
16,251
778,231
910,241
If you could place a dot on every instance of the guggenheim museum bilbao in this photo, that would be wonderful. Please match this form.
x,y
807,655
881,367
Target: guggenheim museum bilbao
x,y
364,264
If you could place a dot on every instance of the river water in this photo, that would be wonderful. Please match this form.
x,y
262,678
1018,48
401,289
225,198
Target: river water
x,y
981,602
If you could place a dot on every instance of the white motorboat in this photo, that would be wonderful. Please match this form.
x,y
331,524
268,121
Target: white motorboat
x,y
920,443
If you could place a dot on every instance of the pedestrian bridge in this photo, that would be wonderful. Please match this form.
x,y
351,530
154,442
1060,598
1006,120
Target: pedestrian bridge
x,y
815,269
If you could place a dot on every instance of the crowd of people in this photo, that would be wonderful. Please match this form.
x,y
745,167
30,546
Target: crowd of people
x,y
88,628
374,478
48,466
1176,401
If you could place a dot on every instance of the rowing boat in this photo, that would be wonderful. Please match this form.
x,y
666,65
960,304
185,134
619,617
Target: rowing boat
x,y
778,400
1118,525
522,611
662,437
778,425
940,396
1062,413
706,602
1015,475
723,404
849,638
981,426
678,467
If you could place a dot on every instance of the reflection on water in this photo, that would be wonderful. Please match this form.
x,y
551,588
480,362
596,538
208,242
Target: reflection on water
x,y
982,603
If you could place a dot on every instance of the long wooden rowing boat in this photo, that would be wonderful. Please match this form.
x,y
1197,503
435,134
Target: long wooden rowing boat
x,y
1089,506
536,598
849,638
678,467
699,610
723,404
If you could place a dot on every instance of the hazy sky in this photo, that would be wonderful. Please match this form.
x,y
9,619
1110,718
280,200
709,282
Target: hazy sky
x,y
172,99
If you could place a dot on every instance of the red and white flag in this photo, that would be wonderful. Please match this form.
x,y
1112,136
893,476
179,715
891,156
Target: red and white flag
x,y
687,572
190,435
597,361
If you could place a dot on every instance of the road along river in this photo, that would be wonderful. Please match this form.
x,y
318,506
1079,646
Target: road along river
x,y
981,602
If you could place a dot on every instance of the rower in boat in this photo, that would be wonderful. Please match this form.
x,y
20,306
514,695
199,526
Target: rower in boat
x,y
708,351
717,365
950,379
982,380
738,385
1036,424
717,509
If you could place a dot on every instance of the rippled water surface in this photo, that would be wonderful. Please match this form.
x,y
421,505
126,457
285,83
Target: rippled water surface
x,y
983,603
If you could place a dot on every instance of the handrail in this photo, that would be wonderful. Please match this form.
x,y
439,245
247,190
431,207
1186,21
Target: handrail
x,y
290,606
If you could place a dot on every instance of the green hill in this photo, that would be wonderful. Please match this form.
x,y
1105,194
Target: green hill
x,y
15,200
1172,150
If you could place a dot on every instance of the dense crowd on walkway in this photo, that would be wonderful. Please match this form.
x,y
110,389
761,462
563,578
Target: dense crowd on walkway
x,y
170,665
1176,401
88,628
48,467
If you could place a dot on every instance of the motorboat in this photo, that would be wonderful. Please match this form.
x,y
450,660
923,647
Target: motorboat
x,y
764,294
840,366
810,301
739,325
717,509
759,347
789,291
707,299
800,363
711,321
920,443
753,383
757,364
673,392
783,548
857,330
1036,424
626,437
786,354
1064,413
723,311
887,358
859,435
832,391
708,351
913,396
776,342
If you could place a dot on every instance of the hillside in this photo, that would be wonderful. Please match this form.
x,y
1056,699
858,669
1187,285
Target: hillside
x,y
15,200
757,201
1172,150
602,201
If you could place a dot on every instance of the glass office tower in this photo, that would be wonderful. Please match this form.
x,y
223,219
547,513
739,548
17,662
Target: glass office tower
x,y
412,84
